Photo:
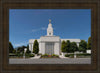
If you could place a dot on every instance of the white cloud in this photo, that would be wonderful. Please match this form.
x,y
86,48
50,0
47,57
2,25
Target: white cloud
x,y
43,28
21,44
35,30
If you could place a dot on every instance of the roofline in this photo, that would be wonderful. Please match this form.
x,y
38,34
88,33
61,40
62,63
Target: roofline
x,y
49,36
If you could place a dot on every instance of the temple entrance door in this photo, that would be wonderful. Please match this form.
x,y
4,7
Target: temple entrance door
x,y
49,48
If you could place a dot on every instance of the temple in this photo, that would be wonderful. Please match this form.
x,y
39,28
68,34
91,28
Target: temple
x,y
50,44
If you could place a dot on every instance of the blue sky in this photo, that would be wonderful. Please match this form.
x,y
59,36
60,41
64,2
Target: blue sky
x,y
28,24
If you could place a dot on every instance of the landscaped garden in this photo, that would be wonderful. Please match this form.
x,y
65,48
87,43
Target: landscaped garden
x,y
66,47
16,55
49,56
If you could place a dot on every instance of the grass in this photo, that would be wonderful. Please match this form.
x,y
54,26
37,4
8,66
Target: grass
x,y
83,55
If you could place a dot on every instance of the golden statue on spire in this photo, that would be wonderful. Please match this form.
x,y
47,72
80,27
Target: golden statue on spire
x,y
49,20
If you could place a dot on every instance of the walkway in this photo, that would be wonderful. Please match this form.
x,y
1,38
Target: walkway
x,y
51,61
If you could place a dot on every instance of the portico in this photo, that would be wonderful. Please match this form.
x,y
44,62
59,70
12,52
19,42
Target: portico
x,y
50,45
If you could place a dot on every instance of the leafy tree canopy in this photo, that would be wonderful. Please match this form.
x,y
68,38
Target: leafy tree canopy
x,y
63,46
89,43
68,46
36,47
74,47
10,47
28,51
21,48
83,46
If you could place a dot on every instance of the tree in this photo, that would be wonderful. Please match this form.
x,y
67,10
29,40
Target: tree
x,y
21,49
10,48
73,47
28,51
68,46
63,46
83,46
36,47
89,43
14,51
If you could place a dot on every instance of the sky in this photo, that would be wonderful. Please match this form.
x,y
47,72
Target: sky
x,y
25,24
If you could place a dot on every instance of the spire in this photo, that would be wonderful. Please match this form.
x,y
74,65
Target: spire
x,y
50,29
49,20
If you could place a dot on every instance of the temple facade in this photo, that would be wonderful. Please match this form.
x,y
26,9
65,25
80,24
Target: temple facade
x,y
50,44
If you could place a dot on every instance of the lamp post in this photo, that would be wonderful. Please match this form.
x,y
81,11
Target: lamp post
x,y
24,52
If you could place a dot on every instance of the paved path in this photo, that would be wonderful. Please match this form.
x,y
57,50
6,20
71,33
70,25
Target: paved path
x,y
51,61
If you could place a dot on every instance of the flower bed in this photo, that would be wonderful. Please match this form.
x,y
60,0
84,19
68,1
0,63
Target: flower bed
x,y
49,56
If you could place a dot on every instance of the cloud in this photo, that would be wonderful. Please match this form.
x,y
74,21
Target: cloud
x,y
43,28
35,30
21,44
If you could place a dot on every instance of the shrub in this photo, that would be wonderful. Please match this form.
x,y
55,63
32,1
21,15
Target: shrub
x,y
31,55
49,56
54,55
14,51
67,55
84,54
39,54
71,54
12,54
19,55
45,55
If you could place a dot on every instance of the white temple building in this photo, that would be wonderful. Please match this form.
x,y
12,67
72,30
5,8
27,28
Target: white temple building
x,y
50,44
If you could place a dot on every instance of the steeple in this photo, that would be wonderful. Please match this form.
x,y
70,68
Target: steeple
x,y
49,29
49,20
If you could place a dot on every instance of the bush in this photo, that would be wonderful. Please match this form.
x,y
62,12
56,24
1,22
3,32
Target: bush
x,y
49,56
14,51
39,54
12,54
67,55
44,55
84,54
54,55
31,55
19,55
71,55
